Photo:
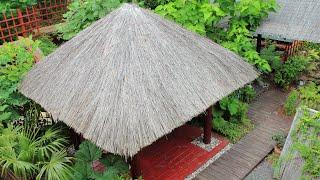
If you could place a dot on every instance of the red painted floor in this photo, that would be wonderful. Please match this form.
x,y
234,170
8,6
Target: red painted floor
x,y
174,157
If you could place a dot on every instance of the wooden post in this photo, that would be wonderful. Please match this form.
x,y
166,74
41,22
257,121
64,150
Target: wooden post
x,y
135,170
21,23
207,126
259,39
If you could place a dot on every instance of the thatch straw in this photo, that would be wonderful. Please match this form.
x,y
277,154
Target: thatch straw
x,y
295,20
132,77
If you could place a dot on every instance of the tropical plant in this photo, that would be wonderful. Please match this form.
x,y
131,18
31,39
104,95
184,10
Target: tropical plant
x,y
309,96
15,60
28,153
82,13
87,153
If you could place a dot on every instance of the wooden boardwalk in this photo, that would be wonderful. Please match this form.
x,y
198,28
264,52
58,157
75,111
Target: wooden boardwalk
x,y
250,150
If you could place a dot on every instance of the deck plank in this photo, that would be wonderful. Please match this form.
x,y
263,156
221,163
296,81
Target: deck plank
x,y
250,150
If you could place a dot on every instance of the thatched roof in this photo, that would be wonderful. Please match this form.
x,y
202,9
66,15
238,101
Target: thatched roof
x,y
132,77
295,20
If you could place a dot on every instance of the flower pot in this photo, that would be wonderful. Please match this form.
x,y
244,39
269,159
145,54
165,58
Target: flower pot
x,y
277,150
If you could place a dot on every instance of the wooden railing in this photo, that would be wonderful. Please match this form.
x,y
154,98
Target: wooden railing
x,y
23,22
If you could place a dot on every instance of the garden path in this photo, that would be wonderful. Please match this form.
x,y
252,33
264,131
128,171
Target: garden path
x,y
246,154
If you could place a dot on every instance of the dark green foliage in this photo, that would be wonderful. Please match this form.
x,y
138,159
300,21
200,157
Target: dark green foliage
x,y
270,54
15,60
246,94
46,45
280,139
82,13
87,153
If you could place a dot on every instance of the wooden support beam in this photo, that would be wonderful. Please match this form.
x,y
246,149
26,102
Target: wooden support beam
x,y
207,126
135,170
259,39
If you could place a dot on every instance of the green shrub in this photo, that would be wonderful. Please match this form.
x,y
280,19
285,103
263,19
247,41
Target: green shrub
x,y
230,117
46,45
291,70
15,60
246,94
197,16
270,54
82,13
203,17
291,103
87,153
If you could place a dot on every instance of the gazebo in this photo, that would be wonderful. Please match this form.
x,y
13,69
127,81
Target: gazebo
x,y
295,20
133,77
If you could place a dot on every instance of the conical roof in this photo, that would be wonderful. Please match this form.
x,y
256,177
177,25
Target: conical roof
x,y
132,77
295,20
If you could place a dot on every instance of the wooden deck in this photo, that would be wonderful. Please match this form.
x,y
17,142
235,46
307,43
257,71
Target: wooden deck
x,y
250,150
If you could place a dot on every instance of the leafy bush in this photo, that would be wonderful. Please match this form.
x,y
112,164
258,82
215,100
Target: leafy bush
x,y
291,102
82,13
291,70
46,45
246,94
197,16
270,54
230,116
87,153
15,60
203,17
28,153
233,130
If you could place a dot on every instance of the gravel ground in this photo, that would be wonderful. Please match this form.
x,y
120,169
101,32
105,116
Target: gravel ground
x,y
263,171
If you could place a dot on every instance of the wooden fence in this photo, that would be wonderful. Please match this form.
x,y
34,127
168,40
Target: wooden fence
x,y
23,22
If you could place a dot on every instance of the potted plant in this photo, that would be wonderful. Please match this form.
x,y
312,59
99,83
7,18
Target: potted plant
x,y
280,139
